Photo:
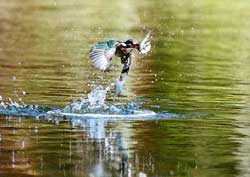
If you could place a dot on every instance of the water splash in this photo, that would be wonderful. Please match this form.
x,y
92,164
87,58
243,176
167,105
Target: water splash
x,y
11,107
94,106
97,97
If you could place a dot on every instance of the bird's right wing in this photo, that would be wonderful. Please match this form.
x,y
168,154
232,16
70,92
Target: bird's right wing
x,y
145,45
101,54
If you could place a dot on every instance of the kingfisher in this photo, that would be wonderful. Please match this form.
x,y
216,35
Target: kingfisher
x,y
102,53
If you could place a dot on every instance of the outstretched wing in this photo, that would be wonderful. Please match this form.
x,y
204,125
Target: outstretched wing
x,y
145,45
101,54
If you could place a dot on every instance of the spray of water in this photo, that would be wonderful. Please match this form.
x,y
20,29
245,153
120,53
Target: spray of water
x,y
94,105
97,97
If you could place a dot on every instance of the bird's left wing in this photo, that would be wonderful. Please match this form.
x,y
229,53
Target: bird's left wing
x,y
101,54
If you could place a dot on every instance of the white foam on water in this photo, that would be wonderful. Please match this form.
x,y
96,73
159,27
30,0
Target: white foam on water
x,y
137,115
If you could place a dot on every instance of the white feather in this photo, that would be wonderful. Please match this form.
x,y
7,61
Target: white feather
x,y
145,45
101,58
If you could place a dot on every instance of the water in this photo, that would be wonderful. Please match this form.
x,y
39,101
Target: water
x,y
198,67
95,106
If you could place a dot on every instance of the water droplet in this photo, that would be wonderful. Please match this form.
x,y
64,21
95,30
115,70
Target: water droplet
x,y
23,144
36,129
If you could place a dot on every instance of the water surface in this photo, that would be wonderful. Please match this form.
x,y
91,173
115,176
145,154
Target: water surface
x,y
199,65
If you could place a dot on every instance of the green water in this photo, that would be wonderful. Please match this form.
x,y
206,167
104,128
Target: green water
x,y
199,65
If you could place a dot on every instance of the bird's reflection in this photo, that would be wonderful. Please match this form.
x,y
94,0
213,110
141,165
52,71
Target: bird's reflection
x,y
112,148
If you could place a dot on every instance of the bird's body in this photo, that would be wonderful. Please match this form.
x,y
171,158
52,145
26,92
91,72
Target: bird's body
x,y
102,54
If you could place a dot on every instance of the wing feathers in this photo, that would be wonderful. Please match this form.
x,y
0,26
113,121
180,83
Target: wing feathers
x,y
102,53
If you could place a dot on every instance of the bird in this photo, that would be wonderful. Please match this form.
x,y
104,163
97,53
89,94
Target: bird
x,y
102,54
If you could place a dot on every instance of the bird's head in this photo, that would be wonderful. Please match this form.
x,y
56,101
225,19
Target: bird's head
x,y
132,44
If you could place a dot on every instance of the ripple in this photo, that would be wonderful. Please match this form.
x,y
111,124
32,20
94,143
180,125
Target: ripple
x,y
93,107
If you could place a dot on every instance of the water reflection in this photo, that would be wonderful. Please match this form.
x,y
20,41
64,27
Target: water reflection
x,y
39,147
73,148
112,145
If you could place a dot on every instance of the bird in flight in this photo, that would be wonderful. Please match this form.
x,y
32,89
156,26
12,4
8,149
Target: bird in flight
x,y
102,53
